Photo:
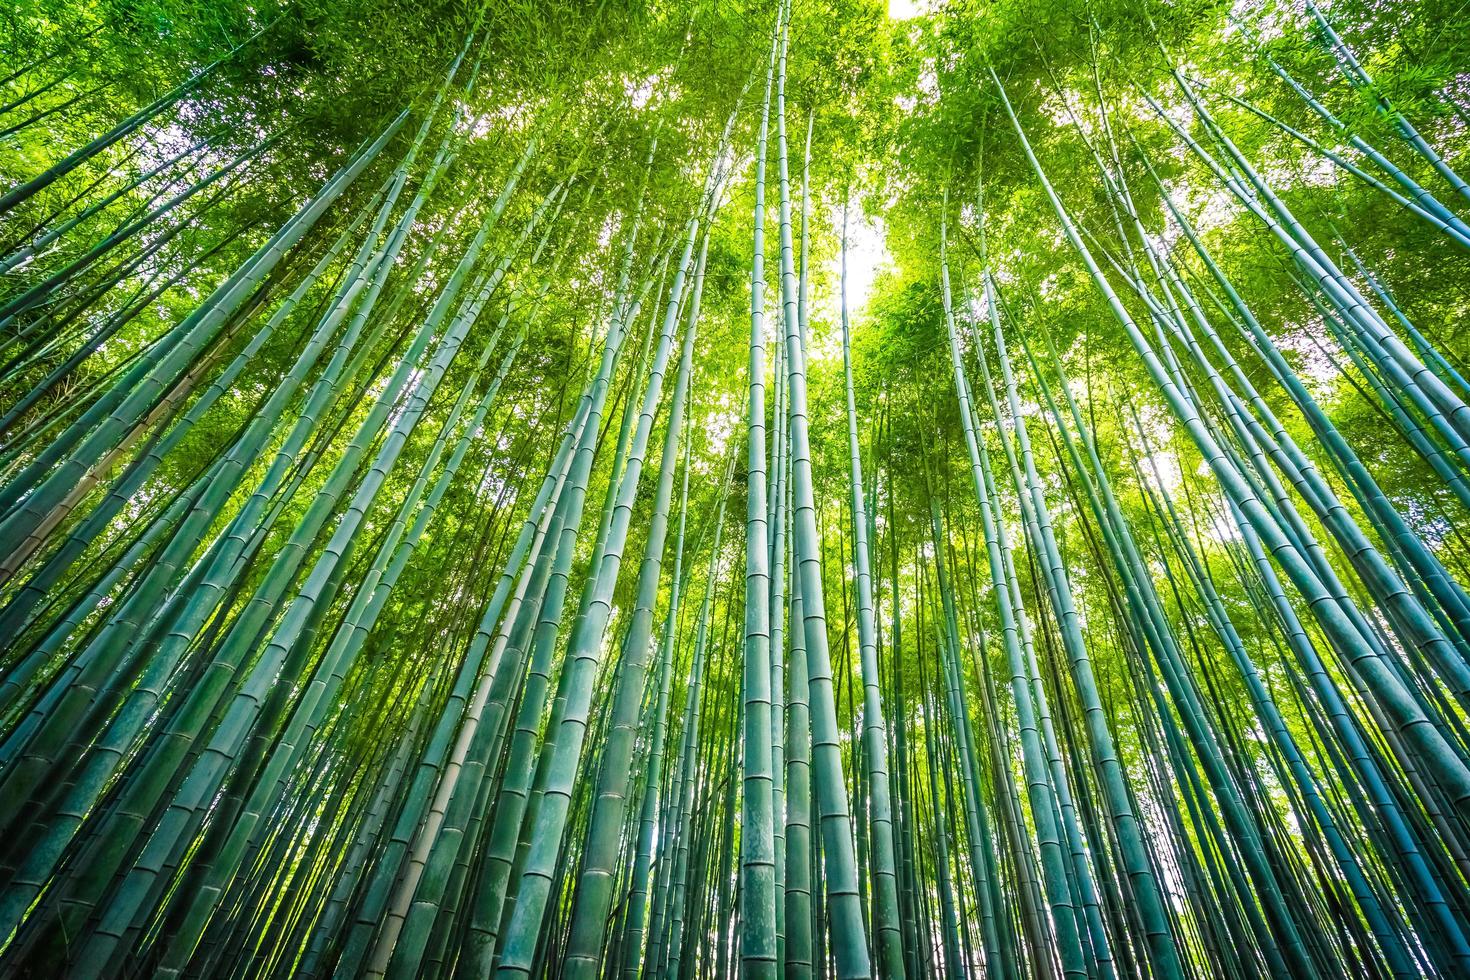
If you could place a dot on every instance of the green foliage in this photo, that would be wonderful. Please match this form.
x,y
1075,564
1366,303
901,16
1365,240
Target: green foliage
x,y
322,649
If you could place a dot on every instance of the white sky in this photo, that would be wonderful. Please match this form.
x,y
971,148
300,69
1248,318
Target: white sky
x,y
904,9
867,255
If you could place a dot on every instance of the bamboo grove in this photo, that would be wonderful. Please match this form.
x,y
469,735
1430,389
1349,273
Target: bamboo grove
x,y
804,489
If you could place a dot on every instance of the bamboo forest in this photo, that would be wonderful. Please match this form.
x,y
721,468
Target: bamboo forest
x,y
808,488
